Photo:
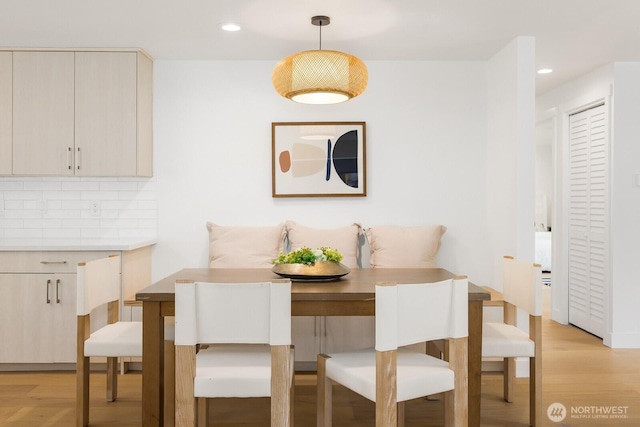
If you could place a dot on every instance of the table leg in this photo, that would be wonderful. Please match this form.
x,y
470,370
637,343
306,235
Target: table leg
x,y
475,361
152,365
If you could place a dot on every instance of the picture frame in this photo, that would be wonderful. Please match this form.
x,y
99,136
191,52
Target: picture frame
x,y
318,159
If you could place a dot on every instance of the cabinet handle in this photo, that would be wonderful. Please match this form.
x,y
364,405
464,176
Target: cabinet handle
x,y
58,291
78,158
53,262
48,299
69,158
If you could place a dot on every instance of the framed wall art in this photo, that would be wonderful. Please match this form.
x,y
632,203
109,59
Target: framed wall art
x,y
318,159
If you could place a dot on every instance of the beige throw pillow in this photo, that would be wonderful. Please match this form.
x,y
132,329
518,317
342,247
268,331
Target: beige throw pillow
x,y
344,239
404,247
244,247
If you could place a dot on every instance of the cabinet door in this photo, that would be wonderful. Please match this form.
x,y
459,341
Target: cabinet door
x,y
345,333
43,113
306,335
40,325
64,322
6,113
105,113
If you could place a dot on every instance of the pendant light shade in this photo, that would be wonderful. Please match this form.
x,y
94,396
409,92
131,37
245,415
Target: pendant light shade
x,y
320,76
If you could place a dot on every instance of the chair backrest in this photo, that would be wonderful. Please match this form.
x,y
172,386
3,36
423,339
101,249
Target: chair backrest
x,y
522,285
413,313
98,282
248,313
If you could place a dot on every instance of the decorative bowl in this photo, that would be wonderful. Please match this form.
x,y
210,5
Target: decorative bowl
x,y
320,270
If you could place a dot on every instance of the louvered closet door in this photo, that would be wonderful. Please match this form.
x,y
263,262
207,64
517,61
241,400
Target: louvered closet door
x,y
588,220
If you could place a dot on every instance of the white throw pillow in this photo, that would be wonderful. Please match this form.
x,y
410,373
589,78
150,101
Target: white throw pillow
x,y
344,239
404,247
244,247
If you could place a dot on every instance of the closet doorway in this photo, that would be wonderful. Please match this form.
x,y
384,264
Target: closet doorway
x,y
588,219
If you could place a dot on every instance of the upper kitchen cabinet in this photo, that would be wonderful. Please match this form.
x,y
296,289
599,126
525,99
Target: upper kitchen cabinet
x,y
43,113
83,113
6,112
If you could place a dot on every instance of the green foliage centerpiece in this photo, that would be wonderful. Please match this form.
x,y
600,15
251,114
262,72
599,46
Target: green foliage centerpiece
x,y
308,264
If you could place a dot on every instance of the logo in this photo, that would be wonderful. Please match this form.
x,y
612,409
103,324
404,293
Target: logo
x,y
556,412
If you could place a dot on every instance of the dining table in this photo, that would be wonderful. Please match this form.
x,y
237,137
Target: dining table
x,y
350,295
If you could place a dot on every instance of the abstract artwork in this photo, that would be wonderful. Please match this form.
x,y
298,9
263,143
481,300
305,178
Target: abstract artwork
x,y
318,159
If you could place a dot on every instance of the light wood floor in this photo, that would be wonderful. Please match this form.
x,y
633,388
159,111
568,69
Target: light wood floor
x,y
578,371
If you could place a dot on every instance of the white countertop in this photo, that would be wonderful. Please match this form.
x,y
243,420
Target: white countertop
x,y
93,244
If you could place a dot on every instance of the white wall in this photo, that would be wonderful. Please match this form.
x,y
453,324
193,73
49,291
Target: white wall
x,y
426,156
625,207
510,154
544,172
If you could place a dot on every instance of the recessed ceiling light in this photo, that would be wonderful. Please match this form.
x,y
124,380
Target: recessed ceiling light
x,y
230,27
545,71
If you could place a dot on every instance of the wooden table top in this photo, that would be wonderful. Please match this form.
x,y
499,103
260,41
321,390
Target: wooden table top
x,y
359,284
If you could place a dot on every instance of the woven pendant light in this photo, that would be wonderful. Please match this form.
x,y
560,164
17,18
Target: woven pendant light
x,y
320,76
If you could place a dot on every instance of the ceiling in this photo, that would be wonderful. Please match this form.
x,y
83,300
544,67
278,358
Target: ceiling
x,y
572,36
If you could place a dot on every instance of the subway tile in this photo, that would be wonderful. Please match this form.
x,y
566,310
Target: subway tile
x,y
118,223
119,204
13,204
42,223
62,213
81,223
6,185
23,233
61,195
118,186
42,186
99,195
61,233
11,223
81,186
23,195
22,214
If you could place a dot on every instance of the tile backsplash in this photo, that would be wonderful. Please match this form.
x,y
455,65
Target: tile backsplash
x,y
60,207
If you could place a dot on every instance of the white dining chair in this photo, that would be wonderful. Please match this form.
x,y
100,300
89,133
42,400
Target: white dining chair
x,y
522,290
246,329
98,283
406,314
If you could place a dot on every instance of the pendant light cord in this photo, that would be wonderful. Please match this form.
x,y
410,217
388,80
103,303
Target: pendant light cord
x,y
320,35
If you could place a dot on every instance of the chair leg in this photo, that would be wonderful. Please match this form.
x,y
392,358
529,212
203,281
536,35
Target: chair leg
x,y
386,389
401,414
535,372
456,402
82,372
324,390
82,392
203,411
185,373
281,385
169,383
509,375
292,387
112,379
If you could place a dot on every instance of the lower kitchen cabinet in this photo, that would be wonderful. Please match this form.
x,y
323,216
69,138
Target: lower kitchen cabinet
x,y
312,335
37,313
38,303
